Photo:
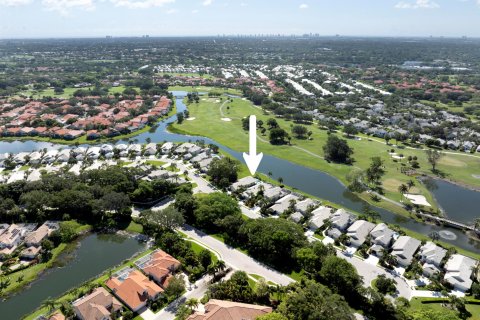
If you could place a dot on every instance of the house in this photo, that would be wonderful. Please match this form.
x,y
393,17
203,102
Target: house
x,y
359,231
296,217
459,270
57,316
167,147
10,239
431,255
305,205
404,249
134,289
245,182
284,204
381,237
222,310
150,149
30,252
273,194
319,216
36,237
159,266
98,305
341,219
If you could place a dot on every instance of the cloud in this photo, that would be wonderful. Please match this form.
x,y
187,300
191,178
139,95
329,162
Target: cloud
x,y
14,3
172,11
418,4
303,6
139,4
64,6
207,2
243,4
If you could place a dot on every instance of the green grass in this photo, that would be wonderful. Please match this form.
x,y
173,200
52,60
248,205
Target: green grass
x,y
208,123
198,248
134,227
192,75
416,303
24,168
155,163
205,89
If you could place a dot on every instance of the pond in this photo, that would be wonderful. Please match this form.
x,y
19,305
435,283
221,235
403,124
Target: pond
x,y
95,254
458,203
311,181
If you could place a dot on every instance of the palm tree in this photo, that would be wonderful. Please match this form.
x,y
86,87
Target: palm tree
x,y
270,174
434,236
410,184
50,304
476,225
221,265
280,180
403,189
192,304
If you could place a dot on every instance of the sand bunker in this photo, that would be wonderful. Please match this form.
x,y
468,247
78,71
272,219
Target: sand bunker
x,y
418,199
226,119
190,119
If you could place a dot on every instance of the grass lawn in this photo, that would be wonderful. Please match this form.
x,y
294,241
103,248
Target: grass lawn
x,y
205,89
157,163
230,133
416,303
134,227
198,248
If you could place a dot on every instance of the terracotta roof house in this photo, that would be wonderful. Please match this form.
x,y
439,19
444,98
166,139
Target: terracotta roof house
x,y
228,310
57,316
98,305
134,290
159,266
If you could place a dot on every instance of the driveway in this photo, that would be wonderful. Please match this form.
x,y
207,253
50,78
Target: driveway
x,y
236,259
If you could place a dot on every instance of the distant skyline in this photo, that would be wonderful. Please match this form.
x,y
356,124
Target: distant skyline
x,y
99,18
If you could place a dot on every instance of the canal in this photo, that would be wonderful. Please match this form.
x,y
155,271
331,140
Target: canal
x,y
95,254
311,181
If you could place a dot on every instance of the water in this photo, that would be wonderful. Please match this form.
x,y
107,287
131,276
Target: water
x,y
95,254
311,181
459,204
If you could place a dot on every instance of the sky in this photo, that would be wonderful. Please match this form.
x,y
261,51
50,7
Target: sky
x,y
99,18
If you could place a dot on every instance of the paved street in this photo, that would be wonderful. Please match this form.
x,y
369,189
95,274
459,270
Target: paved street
x,y
236,259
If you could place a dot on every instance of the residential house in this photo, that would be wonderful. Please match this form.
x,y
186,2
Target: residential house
x,y
160,266
359,231
150,149
319,216
305,205
381,237
284,204
30,252
134,289
98,305
431,255
404,249
36,237
11,239
245,182
222,310
273,194
341,219
459,270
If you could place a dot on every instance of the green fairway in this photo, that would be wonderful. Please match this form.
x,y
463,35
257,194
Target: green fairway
x,y
208,122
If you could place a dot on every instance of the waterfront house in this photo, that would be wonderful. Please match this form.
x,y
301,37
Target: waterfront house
x,y
159,266
359,231
431,255
98,305
459,270
404,249
381,237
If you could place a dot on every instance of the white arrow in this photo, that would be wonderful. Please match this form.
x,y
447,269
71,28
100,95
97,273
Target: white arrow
x,y
253,159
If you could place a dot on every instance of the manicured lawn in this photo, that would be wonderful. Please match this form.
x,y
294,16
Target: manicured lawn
x,y
198,248
134,227
458,167
205,89
416,303
157,163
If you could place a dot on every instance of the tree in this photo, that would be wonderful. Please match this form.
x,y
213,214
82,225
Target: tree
x,y
428,313
434,235
167,219
385,285
192,304
375,171
299,131
175,287
341,276
272,123
350,130
278,136
272,316
205,258
49,304
274,241
180,117
237,288
311,300
337,150
433,156
116,202
223,172
476,290
214,207
355,178
402,189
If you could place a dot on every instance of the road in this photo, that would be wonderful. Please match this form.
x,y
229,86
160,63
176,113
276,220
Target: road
x,y
236,259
